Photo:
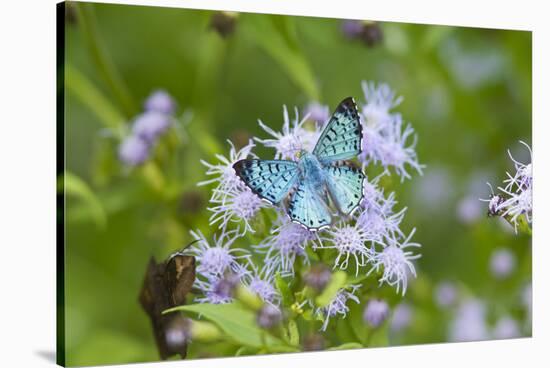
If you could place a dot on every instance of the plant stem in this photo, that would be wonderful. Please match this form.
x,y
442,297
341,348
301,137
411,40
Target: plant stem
x,y
102,60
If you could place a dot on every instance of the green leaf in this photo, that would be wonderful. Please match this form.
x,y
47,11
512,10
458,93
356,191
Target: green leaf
x,y
337,281
284,290
83,89
379,336
277,38
235,320
73,185
347,345
293,332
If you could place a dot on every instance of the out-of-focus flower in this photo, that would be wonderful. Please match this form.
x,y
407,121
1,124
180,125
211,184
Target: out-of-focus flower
x,y
401,318
318,277
338,305
224,22
291,140
239,207
527,296
396,263
376,312
216,260
502,263
286,242
317,112
314,342
445,294
269,316
349,241
226,178
178,334
432,190
506,328
352,28
160,101
469,209
150,125
468,323
133,151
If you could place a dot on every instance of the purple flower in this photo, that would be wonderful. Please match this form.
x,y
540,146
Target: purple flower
x,y
376,312
502,263
238,206
286,242
269,316
469,209
506,328
317,112
318,277
338,305
160,101
133,151
468,323
396,263
349,241
291,140
401,318
445,294
218,289
352,28
150,125
226,178
262,284
215,261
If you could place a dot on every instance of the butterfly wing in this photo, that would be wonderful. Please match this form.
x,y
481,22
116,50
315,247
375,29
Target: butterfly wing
x,y
306,207
269,179
341,138
345,185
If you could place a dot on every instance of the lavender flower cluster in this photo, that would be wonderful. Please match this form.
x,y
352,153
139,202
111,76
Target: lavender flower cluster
x,y
368,242
514,202
146,128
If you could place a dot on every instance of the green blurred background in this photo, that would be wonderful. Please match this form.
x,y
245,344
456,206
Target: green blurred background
x,y
466,91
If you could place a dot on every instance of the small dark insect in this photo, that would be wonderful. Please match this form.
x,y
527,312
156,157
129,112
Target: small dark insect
x,y
166,285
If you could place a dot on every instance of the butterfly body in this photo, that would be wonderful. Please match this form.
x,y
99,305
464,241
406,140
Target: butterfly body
x,y
316,176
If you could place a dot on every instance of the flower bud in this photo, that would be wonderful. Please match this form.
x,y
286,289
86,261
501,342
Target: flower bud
x,y
376,312
318,277
268,316
160,101
133,151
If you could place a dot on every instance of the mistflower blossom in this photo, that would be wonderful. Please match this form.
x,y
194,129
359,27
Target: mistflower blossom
x,y
502,263
317,112
385,141
401,318
133,151
238,206
376,312
226,178
217,289
291,140
160,101
396,263
216,260
286,242
150,125
262,284
445,294
516,198
338,305
381,225
468,323
349,241
269,316
352,28
506,328
469,209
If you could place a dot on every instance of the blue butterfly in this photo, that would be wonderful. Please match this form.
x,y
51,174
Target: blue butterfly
x,y
317,176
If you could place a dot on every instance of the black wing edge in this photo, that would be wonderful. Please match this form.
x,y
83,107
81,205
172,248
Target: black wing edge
x,y
238,167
